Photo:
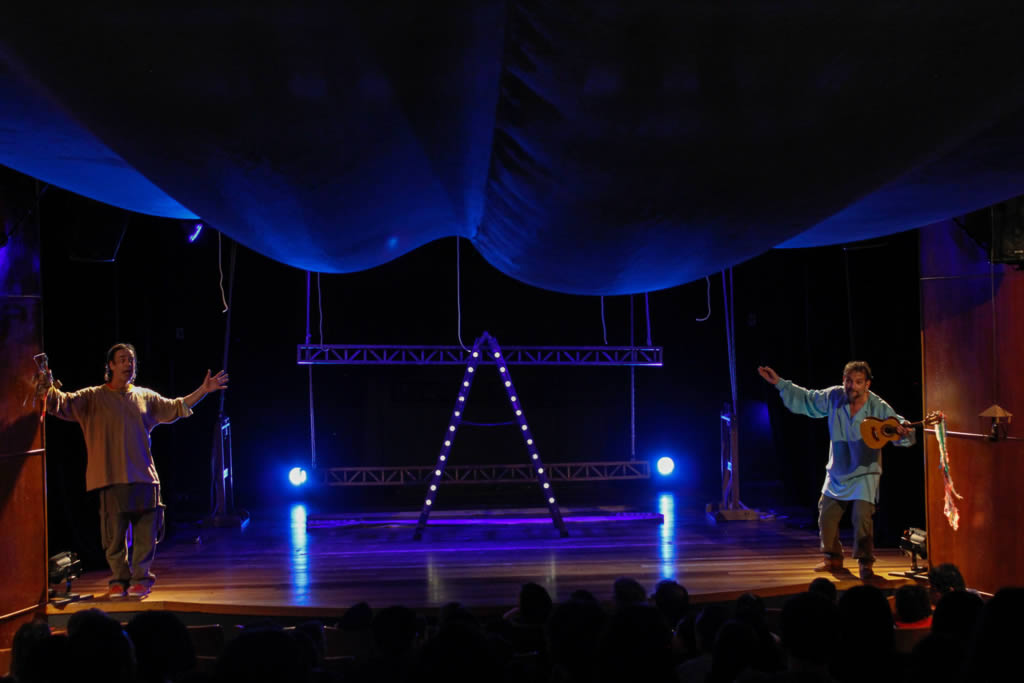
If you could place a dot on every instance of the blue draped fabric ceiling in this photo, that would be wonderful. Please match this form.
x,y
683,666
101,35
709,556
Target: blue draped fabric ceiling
x,y
588,147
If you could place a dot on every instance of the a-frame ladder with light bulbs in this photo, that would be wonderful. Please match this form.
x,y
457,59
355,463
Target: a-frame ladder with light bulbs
x,y
487,351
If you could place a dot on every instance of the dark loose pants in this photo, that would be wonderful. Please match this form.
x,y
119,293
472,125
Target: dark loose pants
x,y
830,511
136,507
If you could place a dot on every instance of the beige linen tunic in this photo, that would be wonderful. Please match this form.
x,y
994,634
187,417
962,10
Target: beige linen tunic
x,y
116,427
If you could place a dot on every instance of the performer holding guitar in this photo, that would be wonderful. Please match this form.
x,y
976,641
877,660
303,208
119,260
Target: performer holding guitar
x,y
854,466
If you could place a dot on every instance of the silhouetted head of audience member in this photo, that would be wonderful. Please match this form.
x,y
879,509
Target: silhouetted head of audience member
x,y
163,649
945,578
705,628
627,591
99,648
394,631
750,609
572,633
49,660
455,613
534,604
459,651
356,618
937,658
733,651
956,615
996,646
825,588
810,631
263,656
583,595
912,603
765,655
314,631
309,656
866,628
636,646
867,617
672,601
26,648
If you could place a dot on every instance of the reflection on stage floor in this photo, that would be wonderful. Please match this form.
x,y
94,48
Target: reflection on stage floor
x,y
291,561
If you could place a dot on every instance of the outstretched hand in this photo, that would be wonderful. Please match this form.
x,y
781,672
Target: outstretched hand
x,y
769,375
217,382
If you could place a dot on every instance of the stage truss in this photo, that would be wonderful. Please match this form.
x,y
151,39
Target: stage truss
x,y
485,474
485,349
390,354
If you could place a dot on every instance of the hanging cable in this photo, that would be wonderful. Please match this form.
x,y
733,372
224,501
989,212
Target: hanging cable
x,y
309,337
320,306
604,327
730,335
458,289
312,423
647,307
632,381
309,277
220,269
708,279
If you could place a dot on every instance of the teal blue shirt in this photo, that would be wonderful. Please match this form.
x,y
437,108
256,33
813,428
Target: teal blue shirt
x,y
854,469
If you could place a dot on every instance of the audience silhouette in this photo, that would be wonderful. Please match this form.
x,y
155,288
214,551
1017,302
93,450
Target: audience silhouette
x,y
813,638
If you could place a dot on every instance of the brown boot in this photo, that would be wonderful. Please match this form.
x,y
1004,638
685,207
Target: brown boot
x,y
867,572
829,564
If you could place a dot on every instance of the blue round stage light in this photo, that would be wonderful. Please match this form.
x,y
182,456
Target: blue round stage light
x,y
666,466
297,476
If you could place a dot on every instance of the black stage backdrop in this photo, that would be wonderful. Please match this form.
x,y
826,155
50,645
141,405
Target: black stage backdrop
x,y
805,312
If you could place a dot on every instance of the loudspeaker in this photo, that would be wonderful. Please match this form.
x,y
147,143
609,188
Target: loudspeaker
x,y
999,229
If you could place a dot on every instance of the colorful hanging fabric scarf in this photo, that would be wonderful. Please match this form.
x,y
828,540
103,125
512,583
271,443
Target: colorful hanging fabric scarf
x,y
949,509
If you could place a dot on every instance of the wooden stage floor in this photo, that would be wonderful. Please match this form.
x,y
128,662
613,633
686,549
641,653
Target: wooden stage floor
x,y
276,567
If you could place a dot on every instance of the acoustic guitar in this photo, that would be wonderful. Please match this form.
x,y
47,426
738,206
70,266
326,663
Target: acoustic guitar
x,y
876,433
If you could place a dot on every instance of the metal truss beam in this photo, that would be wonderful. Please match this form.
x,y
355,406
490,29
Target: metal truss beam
x,y
485,474
390,354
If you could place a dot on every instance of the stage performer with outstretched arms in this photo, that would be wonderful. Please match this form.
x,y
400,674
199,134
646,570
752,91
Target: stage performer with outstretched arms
x,y
854,468
116,419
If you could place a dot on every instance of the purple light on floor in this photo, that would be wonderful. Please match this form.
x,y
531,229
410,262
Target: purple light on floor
x,y
194,235
474,521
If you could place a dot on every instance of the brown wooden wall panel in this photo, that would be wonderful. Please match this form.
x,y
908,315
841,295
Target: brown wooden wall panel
x,y
23,539
964,372
19,341
23,547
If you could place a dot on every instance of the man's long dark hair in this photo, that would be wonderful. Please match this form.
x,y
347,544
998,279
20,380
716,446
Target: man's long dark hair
x,y
110,359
